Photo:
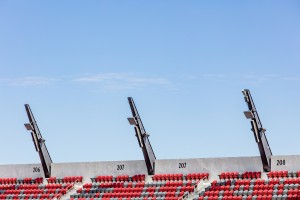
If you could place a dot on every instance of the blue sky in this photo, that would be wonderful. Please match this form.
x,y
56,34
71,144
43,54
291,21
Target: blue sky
x,y
184,63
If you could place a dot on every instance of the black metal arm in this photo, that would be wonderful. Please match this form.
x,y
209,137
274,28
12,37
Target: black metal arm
x,y
259,132
39,142
142,136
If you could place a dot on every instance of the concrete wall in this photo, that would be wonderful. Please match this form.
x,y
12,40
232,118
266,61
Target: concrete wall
x,y
93,169
290,163
214,166
21,171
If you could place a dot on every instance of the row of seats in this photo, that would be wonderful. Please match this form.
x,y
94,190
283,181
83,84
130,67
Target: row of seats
x,y
94,189
67,179
196,176
173,177
238,175
145,198
284,174
20,181
121,178
259,197
34,186
30,196
251,192
169,177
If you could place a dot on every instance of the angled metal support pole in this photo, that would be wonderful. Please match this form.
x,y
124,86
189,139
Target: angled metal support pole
x,y
39,142
258,131
142,137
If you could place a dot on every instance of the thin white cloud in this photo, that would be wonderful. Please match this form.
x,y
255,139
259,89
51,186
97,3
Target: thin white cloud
x,y
290,78
259,79
255,79
121,81
214,77
26,81
191,77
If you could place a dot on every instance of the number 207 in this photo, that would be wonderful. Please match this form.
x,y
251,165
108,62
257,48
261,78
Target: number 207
x,y
120,167
280,162
182,165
